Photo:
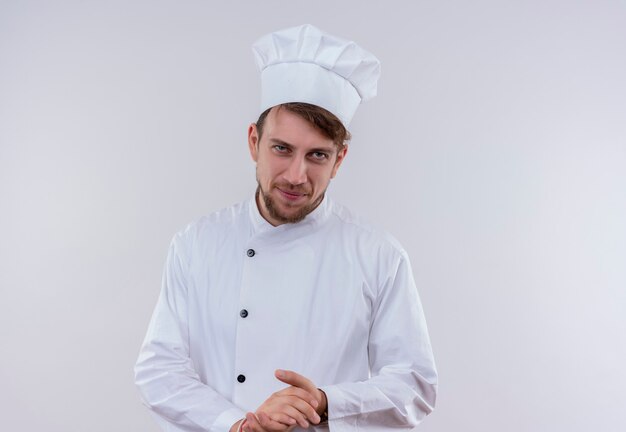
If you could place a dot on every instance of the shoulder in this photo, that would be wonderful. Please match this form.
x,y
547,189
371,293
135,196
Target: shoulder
x,y
214,225
364,232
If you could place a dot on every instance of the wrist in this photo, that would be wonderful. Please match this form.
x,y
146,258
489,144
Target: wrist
x,y
322,408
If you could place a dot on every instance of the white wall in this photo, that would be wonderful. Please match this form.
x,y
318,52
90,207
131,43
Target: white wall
x,y
496,153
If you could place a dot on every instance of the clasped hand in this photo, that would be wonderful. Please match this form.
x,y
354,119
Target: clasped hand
x,y
298,404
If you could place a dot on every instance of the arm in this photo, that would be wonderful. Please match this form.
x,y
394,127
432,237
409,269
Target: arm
x,y
403,384
164,373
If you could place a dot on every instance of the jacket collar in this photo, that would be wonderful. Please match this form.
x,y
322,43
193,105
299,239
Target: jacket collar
x,y
313,219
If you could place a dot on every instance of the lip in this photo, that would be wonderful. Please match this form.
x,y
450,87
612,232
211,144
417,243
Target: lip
x,y
290,195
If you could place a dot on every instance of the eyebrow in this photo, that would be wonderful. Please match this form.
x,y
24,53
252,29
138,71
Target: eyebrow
x,y
277,141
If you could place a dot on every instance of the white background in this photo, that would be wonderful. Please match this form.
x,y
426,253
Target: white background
x,y
495,152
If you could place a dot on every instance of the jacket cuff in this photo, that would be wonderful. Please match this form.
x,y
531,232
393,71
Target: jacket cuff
x,y
226,419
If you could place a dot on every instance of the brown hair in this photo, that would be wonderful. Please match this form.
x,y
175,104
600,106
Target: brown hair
x,y
324,121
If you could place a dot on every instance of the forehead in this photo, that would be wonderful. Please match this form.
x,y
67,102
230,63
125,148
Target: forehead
x,y
284,126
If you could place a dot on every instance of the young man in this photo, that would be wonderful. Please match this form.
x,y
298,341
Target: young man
x,y
287,311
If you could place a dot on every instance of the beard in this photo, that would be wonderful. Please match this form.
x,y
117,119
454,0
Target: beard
x,y
276,214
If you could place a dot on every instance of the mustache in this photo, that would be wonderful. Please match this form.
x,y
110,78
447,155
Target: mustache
x,y
288,187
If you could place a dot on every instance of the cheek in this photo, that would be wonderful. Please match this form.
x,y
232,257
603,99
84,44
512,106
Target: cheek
x,y
321,177
266,172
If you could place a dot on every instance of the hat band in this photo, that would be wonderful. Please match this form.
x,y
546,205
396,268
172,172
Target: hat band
x,y
309,83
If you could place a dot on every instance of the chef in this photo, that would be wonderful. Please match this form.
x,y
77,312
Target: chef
x,y
287,311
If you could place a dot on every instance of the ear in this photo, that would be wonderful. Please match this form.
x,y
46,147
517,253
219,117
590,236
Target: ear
x,y
340,157
253,141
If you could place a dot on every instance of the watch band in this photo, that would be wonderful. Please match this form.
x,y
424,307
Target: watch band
x,y
324,415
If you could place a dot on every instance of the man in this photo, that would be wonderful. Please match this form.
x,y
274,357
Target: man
x,y
287,311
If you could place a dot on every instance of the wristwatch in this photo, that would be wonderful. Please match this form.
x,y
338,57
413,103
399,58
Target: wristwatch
x,y
324,415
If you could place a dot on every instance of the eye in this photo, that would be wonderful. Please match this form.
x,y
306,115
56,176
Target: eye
x,y
319,156
280,148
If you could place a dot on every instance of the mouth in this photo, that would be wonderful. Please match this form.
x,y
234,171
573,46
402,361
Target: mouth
x,y
291,196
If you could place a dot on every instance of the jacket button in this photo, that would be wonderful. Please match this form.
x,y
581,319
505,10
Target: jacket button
x,y
241,378
250,253
243,313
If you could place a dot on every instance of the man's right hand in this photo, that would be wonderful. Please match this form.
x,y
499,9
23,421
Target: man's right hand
x,y
251,424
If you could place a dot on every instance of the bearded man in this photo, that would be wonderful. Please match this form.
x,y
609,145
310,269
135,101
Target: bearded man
x,y
287,311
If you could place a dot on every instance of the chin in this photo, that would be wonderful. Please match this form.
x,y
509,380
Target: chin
x,y
289,211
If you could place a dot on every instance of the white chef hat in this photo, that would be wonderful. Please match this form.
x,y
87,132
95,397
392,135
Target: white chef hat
x,y
304,64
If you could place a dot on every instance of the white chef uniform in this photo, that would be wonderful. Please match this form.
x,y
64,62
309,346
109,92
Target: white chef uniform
x,y
329,297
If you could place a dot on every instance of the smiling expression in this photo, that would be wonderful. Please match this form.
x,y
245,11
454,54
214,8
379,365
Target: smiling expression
x,y
295,163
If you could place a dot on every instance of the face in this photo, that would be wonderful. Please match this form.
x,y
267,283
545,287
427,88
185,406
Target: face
x,y
294,165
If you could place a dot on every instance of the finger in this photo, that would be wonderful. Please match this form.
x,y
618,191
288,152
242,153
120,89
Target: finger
x,y
283,418
296,414
303,407
301,393
295,379
270,425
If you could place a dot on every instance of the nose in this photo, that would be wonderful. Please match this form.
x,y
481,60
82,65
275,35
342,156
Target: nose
x,y
296,171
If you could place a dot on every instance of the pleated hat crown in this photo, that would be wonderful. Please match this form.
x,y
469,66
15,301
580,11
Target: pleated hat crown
x,y
304,64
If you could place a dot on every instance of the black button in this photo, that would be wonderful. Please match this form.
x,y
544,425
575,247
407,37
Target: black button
x,y
243,313
241,378
250,253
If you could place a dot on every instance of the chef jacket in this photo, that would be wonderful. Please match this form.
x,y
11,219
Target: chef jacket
x,y
328,297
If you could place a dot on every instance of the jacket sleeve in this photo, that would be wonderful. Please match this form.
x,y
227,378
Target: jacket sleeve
x,y
403,384
164,373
